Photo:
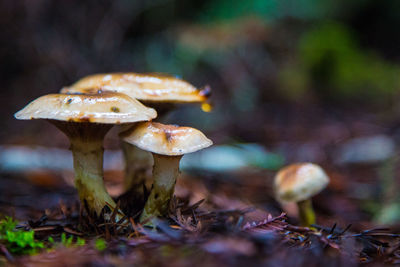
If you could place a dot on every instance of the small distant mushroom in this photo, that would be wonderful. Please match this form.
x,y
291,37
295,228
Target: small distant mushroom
x,y
154,90
298,183
86,119
168,143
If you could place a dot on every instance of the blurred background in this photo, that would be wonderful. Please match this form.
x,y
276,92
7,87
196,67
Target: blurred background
x,y
292,81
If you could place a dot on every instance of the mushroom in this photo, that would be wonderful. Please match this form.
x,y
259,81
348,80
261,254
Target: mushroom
x,y
298,183
148,88
85,120
167,143
158,91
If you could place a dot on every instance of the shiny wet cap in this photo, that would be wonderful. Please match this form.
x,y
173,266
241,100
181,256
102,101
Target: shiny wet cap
x,y
106,108
168,140
144,87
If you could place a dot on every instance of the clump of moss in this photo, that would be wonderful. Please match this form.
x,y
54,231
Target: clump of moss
x,y
68,241
100,244
18,241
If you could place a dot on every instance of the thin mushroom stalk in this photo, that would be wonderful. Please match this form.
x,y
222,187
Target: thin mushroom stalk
x,y
87,150
165,173
306,213
138,161
137,164
168,143
88,167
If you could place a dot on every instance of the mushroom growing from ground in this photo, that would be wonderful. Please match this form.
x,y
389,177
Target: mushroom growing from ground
x,y
168,143
298,183
86,119
158,91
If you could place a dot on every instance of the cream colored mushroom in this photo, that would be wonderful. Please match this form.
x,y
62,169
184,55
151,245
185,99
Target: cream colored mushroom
x,y
158,91
298,183
86,119
168,143
144,87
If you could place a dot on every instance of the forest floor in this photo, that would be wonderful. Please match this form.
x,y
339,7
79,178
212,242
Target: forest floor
x,y
216,219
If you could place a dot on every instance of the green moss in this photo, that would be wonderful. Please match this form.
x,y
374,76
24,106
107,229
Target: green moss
x,y
69,241
21,242
18,241
100,244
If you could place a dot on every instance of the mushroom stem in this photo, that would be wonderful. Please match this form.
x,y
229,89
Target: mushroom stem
x,y
87,150
88,166
306,212
137,162
165,173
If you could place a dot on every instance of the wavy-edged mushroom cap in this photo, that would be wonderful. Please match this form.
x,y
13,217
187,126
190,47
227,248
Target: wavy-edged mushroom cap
x,y
168,140
300,181
144,87
105,108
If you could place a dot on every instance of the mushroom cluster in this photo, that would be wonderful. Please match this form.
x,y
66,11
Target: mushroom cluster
x,y
88,109
160,92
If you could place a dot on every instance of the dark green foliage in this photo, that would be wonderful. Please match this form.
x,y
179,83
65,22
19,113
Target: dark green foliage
x,y
332,64
335,61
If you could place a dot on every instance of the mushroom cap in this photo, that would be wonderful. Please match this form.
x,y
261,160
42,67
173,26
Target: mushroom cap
x,y
106,108
145,87
167,140
300,181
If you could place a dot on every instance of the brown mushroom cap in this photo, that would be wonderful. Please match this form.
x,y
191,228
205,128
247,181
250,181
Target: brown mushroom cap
x,y
300,181
105,108
166,139
144,87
